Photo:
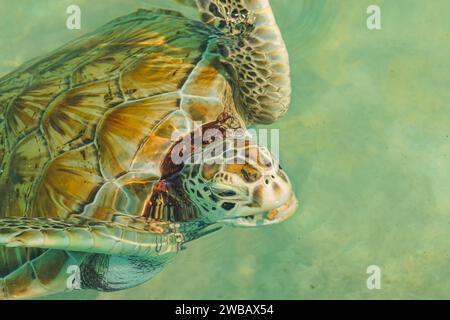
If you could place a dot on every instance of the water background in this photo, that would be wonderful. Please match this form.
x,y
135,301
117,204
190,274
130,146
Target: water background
x,y
366,144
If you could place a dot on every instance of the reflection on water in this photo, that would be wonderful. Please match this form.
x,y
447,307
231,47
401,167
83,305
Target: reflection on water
x,y
366,144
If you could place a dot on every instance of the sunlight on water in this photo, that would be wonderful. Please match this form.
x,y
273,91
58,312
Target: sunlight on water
x,y
366,145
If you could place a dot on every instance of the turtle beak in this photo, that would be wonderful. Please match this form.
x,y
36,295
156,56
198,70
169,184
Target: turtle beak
x,y
282,213
274,216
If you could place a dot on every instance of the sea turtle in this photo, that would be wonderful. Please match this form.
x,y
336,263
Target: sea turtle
x,y
88,183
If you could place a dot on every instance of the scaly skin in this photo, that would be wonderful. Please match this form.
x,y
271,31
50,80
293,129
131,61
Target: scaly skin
x,y
255,49
84,133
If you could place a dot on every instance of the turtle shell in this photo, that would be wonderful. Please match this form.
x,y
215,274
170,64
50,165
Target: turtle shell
x,y
85,129
97,116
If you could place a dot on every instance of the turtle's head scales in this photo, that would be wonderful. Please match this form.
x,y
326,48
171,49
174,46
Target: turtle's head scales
x,y
246,189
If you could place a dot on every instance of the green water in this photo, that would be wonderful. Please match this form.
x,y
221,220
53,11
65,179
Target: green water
x,y
366,144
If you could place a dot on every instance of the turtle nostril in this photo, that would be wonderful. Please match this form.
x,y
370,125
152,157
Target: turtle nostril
x,y
267,181
272,176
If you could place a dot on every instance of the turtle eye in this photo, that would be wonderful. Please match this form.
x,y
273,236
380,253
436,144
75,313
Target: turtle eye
x,y
246,175
250,174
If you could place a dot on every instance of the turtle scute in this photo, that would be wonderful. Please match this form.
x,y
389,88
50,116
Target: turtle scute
x,y
83,133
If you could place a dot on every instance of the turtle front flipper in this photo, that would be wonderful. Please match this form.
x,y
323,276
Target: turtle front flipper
x,y
254,47
36,254
138,238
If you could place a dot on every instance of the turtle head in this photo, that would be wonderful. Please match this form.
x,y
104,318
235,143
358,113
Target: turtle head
x,y
249,189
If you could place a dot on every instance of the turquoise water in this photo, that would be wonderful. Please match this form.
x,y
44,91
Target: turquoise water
x,y
366,145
